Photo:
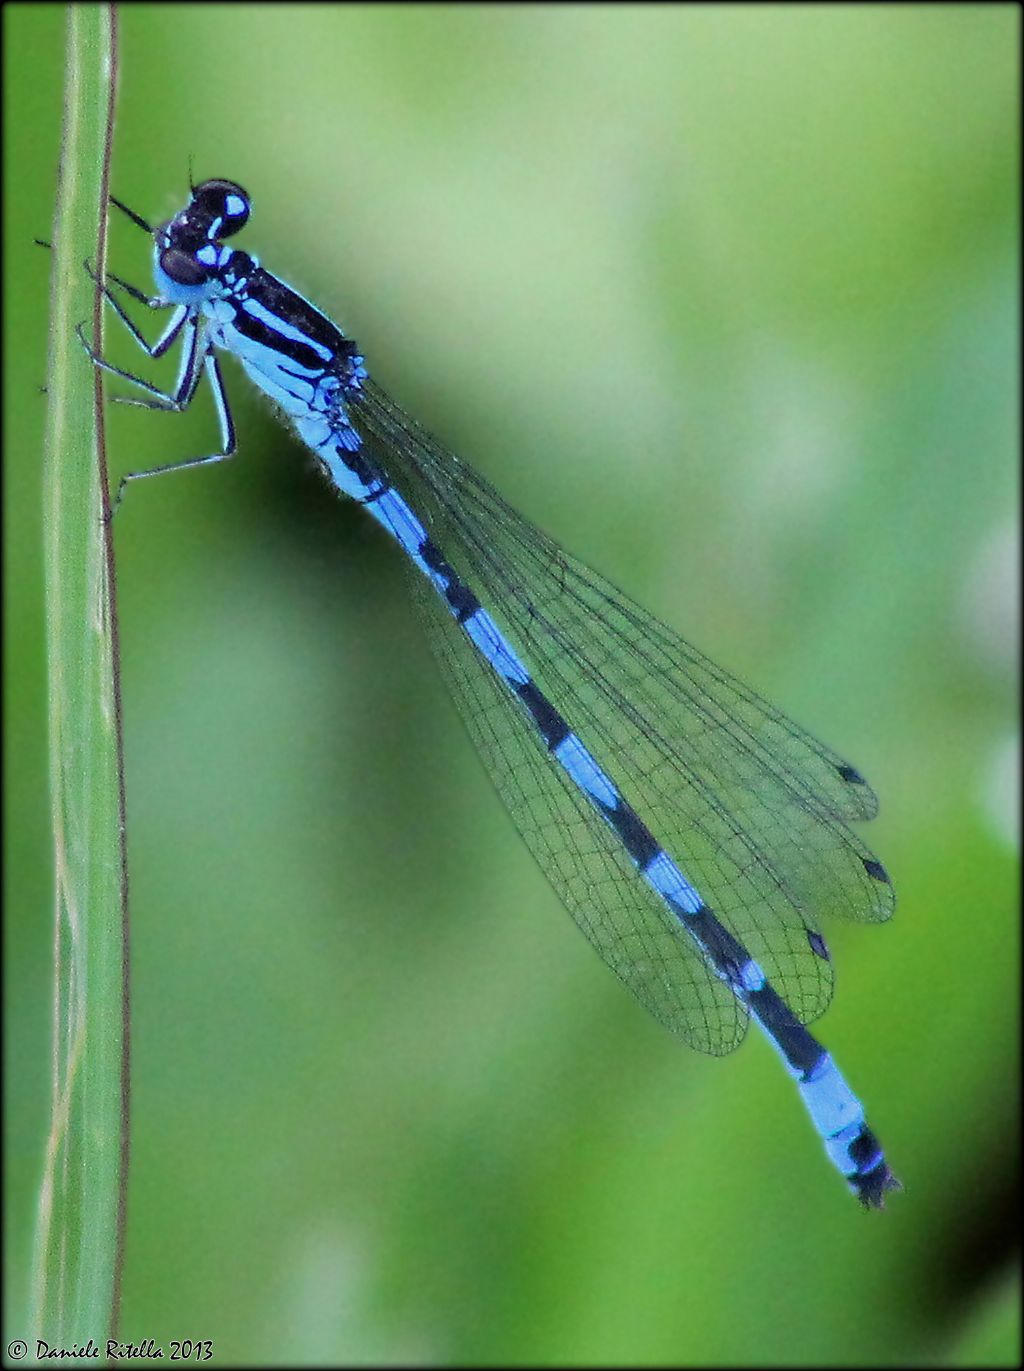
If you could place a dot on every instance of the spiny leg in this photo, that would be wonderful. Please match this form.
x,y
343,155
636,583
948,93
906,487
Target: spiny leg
x,y
196,358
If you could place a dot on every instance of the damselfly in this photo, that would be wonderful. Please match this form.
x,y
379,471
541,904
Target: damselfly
x,y
695,834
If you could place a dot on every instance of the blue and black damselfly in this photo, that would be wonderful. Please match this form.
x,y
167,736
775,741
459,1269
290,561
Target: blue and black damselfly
x,y
695,834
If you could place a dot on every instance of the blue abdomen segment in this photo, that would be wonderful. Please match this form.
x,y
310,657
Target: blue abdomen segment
x,y
835,1111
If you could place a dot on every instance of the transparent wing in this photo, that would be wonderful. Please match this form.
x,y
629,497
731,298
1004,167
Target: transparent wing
x,y
581,857
753,809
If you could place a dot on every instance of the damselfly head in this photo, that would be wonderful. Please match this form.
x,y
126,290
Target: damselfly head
x,y
223,205
216,210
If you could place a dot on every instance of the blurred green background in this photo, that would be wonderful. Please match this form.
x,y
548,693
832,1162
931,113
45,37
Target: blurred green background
x,y
725,299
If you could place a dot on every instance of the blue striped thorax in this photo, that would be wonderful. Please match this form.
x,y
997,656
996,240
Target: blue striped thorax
x,y
296,355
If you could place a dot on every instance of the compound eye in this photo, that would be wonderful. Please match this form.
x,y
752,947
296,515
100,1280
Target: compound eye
x,y
182,268
223,204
